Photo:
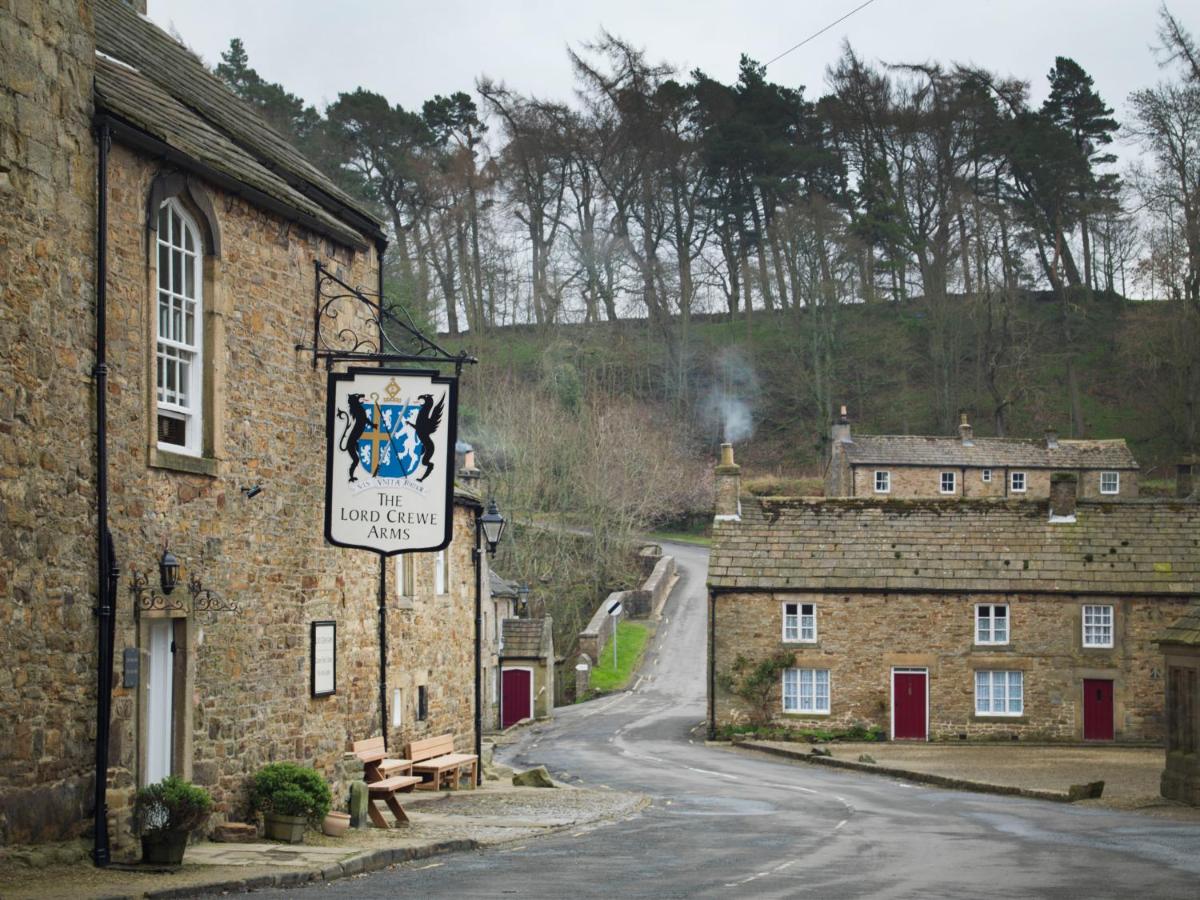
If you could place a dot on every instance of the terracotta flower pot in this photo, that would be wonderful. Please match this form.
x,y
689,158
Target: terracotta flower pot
x,y
336,823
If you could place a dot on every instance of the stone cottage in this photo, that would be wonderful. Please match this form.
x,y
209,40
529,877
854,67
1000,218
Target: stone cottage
x,y
897,466
159,248
526,670
948,619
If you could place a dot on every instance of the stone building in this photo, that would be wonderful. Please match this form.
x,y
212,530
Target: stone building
x,y
159,247
502,606
526,670
950,619
1181,664
896,466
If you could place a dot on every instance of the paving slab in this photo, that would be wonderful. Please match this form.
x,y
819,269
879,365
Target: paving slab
x,y
445,822
1130,774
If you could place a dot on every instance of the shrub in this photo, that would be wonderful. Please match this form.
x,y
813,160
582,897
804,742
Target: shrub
x,y
287,789
171,805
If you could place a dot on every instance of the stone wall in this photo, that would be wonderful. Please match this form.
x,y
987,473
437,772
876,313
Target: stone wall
x,y
925,481
47,450
242,693
861,637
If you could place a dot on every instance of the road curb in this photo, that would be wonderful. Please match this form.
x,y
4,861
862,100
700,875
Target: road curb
x,y
961,784
368,861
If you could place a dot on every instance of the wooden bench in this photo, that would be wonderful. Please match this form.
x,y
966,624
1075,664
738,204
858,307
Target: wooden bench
x,y
435,757
385,779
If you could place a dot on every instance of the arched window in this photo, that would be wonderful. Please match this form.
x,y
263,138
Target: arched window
x,y
180,318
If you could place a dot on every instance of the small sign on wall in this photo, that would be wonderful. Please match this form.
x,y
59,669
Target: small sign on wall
x,y
323,658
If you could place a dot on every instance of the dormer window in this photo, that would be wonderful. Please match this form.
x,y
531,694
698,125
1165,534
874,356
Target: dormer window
x,y
883,481
1110,482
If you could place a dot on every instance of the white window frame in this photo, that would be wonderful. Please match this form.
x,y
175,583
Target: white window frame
x,y
1116,482
441,572
1097,620
168,349
795,693
953,476
883,477
1012,482
1005,680
406,576
800,625
990,618
987,476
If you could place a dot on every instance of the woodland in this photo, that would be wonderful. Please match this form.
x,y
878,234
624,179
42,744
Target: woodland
x,y
664,260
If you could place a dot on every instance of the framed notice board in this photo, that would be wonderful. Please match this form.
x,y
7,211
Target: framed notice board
x,y
323,658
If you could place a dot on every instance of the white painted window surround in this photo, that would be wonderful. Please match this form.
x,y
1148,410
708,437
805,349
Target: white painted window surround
x,y
799,623
179,355
1016,482
949,482
806,690
991,623
441,572
999,693
883,481
1110,482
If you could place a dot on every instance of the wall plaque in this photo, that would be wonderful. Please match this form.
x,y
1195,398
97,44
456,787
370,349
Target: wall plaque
x,y
323,658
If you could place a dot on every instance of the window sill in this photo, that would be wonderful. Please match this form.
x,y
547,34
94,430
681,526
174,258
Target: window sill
x,y
1019,719
806,715
182,462
992,648
792,645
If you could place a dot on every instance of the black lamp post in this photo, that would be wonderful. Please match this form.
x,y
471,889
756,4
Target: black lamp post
x,y
523,597
489,528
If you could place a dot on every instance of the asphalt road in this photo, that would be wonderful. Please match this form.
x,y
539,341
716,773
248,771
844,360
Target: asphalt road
x,y
729,824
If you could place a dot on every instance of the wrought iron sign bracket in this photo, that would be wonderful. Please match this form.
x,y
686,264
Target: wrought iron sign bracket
x,y
367,337
200,598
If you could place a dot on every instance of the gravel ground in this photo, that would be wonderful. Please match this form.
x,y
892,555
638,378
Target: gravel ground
x,y
1130,774
495,814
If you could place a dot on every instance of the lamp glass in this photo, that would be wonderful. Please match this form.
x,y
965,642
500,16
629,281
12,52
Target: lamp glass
x,y
493,526
168,571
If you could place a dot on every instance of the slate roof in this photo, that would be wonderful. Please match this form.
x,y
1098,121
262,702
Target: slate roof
x,y
1185,630
501,587
166,91
523,638
986,452
1138,547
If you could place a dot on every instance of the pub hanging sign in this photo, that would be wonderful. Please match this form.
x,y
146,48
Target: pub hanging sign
x,y
389,464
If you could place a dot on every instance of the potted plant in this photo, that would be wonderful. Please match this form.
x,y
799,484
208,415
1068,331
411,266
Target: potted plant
x,y
289,797
167,813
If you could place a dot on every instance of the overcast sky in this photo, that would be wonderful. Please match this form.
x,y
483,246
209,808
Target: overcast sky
x,y
410,51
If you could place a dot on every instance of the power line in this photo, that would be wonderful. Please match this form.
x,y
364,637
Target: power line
x,y
818,34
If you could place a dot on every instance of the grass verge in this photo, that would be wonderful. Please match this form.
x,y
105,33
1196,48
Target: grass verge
x,y
631,643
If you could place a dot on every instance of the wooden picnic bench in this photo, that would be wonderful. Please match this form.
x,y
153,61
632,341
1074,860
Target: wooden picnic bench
x,y
435,757
385,779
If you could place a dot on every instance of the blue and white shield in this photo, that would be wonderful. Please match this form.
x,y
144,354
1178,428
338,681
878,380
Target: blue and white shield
x,y
390,448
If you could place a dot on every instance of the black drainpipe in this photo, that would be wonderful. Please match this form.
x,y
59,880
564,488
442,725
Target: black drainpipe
x,y
478,552
383,720
380,246
107,570
712,664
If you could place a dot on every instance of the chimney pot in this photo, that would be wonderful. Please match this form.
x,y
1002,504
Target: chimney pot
x,y
1063,492
729,485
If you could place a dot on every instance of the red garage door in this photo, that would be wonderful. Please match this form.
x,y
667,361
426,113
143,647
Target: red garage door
x,y
516,696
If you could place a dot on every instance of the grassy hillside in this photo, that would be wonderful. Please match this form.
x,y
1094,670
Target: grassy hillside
x,y
902,368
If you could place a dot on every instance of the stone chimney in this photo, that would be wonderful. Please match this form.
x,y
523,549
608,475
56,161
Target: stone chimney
x,y
1185,477
840,433
729,486
1064,488
1051,439
469,473
965,433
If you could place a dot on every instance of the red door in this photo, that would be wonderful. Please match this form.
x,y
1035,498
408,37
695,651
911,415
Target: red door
x,y
516,694
908,706
1097,709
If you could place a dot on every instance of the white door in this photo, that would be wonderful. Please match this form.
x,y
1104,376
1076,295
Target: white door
x,y
160,705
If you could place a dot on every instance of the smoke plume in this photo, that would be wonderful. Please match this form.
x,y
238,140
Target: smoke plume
x,y
728,406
